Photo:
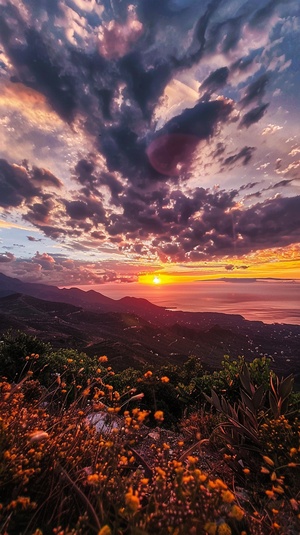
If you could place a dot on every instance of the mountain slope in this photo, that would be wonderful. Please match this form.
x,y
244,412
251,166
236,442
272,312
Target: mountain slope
x,y
134,331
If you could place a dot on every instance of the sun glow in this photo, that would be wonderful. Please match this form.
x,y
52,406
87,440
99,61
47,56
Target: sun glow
x,y
281,263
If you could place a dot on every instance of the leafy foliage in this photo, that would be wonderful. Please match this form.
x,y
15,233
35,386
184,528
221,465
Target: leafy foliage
x,y
14,347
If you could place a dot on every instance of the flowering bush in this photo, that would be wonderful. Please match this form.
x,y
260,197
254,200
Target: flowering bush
x,y
59,474
58,471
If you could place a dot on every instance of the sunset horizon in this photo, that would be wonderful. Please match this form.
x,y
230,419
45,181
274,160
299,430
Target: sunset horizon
x,y
149,144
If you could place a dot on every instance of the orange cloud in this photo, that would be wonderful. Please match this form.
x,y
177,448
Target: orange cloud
x,y
32,104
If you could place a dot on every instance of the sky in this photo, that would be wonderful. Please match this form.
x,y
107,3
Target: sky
x,y
156,138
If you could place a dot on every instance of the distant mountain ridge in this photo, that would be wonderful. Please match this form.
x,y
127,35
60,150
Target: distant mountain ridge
x,y
98,302
135,332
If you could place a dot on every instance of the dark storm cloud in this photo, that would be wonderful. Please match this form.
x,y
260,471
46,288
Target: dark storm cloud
x,y
174,144
280,184
169,215
32,238
275,222
125,153
225,33
15,185
220,149
200,121
85,173
46,261
215,81
255,195
115,98
146,86
84,170
283,183
114,186
186,235
75,81
45,75
39,212
263,14
244,155
83,209
6,257
54,232
253,116
242,64
35,62
46,177
249,185
256,90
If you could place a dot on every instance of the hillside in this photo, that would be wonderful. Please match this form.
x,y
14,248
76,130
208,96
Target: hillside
x,y
134,331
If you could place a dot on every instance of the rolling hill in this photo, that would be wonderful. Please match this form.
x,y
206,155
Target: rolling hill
x,y
134,332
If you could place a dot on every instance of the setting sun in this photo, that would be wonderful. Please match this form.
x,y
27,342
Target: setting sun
x,y
156,280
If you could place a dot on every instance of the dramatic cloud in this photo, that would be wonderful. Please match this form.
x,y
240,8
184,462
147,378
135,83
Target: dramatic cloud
x,y
255,91
15,185
7,257
253,116
155,130
244,155
32,238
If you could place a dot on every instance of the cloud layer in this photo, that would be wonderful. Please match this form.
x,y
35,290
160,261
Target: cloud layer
x,y
110,158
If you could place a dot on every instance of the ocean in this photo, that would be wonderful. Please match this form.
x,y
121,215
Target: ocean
x,y
268,301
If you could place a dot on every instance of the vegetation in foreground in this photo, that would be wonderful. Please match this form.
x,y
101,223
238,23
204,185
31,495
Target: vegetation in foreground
x,y
61,475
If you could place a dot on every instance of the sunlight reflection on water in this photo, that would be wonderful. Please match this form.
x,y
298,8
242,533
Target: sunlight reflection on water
x,y
266,301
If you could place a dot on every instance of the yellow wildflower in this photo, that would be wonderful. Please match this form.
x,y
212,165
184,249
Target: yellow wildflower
x,y
236,512
224,529
191,459
93,479
211,528
279,490
268,460
165,379
227,496
159,416
264,470
294,504
160,472
220,484
103,359
105,530
132,500
148,374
